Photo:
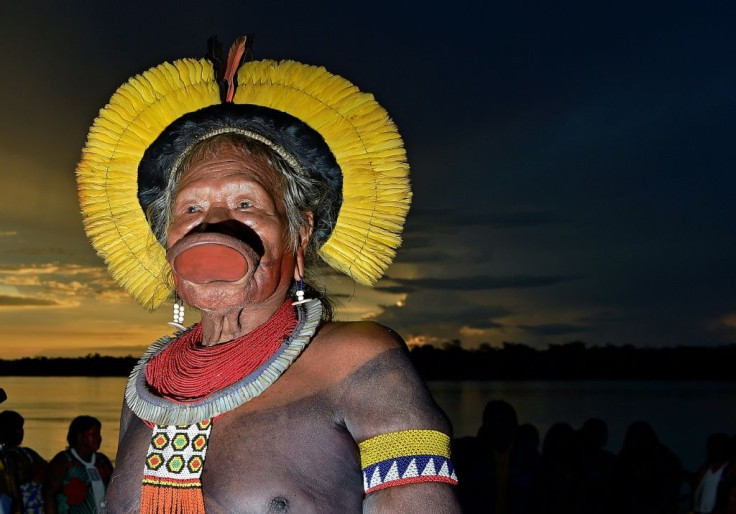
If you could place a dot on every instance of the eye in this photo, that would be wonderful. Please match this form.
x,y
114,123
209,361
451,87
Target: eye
x,y
192,209
244,204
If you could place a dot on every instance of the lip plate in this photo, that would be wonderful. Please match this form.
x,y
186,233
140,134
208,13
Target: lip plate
x,y
228,259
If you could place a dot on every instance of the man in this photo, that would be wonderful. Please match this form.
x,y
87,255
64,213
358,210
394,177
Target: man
x,y
245,174
22,470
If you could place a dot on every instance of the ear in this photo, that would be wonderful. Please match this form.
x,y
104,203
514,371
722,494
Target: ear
x,y
305,234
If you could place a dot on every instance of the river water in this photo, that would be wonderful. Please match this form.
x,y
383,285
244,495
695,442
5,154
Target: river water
x,y
682,413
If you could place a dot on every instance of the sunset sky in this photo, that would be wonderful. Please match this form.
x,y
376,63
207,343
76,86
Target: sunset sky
x,y
572,163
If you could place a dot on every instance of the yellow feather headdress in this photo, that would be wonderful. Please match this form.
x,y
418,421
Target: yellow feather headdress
x,y
357,130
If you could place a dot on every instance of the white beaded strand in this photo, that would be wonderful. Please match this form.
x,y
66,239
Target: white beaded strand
x,y
300,293
179,313
178,321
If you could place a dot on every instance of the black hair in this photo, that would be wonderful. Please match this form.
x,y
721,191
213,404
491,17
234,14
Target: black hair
x,y
10,424
79,425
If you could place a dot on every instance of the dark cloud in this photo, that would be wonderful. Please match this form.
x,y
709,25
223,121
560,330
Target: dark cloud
x,y
453,219
553,329
402,289
483,282
415,239
22,301
427,254
417,313
606,317
485,324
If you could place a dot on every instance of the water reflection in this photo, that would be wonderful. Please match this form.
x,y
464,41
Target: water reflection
x,y
684,414
48,405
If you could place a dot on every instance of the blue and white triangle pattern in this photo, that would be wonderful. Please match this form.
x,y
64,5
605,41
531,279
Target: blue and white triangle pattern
x,y
408,470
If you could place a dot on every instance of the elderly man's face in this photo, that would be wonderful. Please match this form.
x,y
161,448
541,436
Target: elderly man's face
x,y
240,202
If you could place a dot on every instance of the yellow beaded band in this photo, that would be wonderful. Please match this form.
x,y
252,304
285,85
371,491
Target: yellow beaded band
x,y
406,457
400,444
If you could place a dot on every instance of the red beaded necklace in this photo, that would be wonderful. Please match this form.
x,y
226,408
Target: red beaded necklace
x,y
186,371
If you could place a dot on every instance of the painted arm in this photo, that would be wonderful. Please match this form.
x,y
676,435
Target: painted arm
x,y
391,414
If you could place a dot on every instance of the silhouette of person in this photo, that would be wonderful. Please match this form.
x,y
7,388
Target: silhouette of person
x,y
21,469
597,467
528,438
560,470
710,477
527,479
497,474
726,497
648,476
78,476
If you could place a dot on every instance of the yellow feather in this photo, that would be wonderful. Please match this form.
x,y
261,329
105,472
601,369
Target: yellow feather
x,y
367,147
359,132
107,173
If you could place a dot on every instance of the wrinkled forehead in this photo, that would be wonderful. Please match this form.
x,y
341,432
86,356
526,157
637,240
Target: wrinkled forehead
x,y
283,138
231,155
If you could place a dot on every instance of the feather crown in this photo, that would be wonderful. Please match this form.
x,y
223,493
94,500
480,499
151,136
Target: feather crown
x,y
324,122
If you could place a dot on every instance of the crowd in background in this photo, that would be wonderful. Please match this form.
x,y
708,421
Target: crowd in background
x,y
503,470
73,482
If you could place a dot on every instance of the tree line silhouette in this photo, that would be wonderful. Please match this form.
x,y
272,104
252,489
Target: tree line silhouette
x,y
450,361
573,361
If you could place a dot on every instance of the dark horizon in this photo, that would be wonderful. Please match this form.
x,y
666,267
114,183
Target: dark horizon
x,y
513,361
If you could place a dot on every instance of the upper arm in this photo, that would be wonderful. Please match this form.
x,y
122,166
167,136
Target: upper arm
x,y
385,395
126,416
107,467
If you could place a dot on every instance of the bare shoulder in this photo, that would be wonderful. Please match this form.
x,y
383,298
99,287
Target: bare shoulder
x,y
360,332
358,341
381,390
336,352
339,349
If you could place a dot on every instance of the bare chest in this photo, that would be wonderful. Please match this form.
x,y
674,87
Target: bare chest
x,y
287,458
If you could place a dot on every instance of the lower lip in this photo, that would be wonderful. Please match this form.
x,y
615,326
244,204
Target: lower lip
x,y
206,263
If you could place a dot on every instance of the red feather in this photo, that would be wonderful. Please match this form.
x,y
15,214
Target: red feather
x,y
234,58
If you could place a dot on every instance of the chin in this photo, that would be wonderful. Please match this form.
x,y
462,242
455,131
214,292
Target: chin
x,y
224,296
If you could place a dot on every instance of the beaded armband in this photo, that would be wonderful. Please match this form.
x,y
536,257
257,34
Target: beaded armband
x,y
406,457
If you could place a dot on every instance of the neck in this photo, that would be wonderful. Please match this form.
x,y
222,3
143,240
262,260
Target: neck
x,y
84,453
222,326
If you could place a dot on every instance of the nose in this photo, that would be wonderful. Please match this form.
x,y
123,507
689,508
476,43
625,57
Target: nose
x,y
216,213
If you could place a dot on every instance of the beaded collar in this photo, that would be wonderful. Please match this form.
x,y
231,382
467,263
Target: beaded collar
x,y
161,411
